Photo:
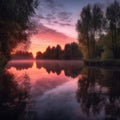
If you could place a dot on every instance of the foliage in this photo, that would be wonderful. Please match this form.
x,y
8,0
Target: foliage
x,y
113,21
22,55
71,51
14,23
89,26
99,32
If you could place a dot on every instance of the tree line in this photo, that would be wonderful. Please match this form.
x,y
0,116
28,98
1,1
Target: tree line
x,y
99,31
22,55
70,51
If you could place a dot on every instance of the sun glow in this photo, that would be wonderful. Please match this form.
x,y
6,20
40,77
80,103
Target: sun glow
x,y
40,42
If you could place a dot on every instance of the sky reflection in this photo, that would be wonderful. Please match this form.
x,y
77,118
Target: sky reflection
x,y
94,94
44,75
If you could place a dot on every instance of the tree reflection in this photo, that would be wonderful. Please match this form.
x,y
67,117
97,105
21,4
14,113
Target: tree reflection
x,y
70,68
20,65
13,97
99,93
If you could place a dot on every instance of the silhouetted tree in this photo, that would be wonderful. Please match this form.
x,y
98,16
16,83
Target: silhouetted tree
x,y
83,27
75,51
39,55
88,26
47,53
53,53
14,21
71,51
22,55
58,52
113,20
67,51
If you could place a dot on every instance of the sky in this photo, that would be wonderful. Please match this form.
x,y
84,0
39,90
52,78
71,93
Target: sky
x,y
55,22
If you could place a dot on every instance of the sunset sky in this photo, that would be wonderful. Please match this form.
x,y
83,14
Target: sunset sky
x,y
55,22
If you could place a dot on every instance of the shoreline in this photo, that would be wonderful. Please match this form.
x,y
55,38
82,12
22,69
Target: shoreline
x,y
102,63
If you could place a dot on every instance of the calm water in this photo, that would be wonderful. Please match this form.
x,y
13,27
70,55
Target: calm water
x,y
58,90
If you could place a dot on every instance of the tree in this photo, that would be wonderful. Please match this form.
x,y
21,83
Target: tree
x,y
75,51
58,52
22,55
39,55
14,23
88,27
113,20
83,27
47,53
67,51
71,51
105,43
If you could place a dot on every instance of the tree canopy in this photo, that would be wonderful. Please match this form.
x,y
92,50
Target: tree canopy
x,y
70,52
99,30
14,23
88,27
113,21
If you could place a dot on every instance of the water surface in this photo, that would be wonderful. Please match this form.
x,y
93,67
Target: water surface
x,y
58,90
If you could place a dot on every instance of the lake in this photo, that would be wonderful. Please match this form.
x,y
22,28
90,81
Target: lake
x,y
59,90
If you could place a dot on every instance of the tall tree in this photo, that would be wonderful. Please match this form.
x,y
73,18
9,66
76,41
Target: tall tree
x,y
96,26
83,27
113,20
88,27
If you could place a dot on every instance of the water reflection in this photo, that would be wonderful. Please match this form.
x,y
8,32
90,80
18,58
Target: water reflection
x,y
40,82
20,65
50,91
13,97
70,68
99,93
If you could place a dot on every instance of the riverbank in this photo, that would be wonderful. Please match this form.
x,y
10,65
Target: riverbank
x,y
102,63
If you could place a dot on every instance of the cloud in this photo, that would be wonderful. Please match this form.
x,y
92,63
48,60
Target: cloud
x,y
64,16
52,10
50,6
48,37
63,24
48,34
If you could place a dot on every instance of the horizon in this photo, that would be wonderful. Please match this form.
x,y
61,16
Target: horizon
x,y
26,52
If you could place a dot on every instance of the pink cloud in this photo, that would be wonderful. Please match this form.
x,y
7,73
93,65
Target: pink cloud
x,y
48,37
45,33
